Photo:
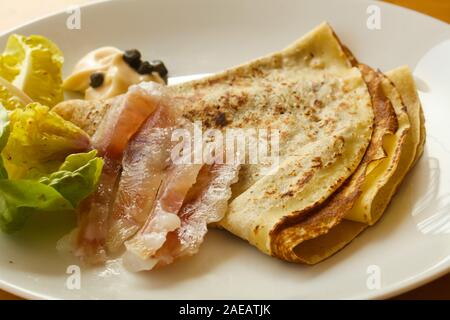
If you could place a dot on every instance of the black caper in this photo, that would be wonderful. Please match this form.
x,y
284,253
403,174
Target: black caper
x,y
145,68
159,67
96,79
132,58
165,78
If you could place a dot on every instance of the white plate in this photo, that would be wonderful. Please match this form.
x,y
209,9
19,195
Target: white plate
x,y
409,246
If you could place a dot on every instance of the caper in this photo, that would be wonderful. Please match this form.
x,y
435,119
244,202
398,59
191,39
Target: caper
x,y
96,79
145,68
132,58
159,67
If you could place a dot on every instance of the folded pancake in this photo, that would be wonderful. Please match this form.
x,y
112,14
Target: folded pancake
x,y
296,231
327,243
348,135
317,101
396,155
312,223
404,82
321,106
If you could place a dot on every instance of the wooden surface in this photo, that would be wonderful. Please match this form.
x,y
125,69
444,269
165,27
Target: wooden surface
x,y
439,9
16,12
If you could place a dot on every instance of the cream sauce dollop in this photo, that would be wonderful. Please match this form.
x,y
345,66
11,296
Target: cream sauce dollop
x,y
118,75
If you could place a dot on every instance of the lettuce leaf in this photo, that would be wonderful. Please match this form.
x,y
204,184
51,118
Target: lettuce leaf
x,y
21,198
33,64
27,132
12,98
77,177
4,135
4,127
62,190
39,142
42,167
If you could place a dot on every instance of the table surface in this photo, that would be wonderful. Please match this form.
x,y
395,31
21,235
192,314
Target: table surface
x,y
16,12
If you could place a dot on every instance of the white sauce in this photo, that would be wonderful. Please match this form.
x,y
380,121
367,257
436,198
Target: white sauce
x,y
118,75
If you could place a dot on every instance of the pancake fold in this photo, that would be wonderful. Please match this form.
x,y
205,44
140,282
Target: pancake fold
x,y
348,136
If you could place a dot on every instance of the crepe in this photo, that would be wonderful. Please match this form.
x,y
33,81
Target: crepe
x,y
323,246
403,80
348,135
305,228
397,154
321,105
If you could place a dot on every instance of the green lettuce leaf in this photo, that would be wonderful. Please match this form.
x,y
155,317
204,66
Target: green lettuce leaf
x,y
28,133
21,198
39,142
60,191
33,64
77,177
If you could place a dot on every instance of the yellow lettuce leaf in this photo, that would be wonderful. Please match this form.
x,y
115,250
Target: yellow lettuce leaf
x,y
33,65
39,141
